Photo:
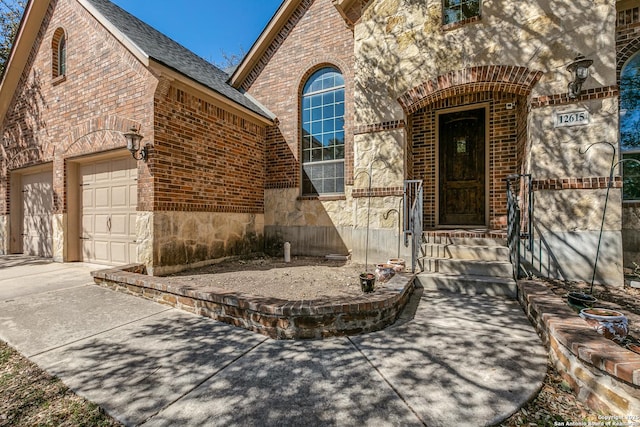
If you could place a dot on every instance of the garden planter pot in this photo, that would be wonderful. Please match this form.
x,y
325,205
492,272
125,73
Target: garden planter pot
x,y
367,282
580,300
399,264
385,272
609,323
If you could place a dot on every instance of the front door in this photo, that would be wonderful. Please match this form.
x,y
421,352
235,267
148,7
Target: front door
x,y
462,168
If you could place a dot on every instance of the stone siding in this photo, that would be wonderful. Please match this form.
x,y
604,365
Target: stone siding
x,y
184,240
400,44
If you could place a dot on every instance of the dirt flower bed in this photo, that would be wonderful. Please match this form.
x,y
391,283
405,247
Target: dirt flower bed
x,y
303,278
624,299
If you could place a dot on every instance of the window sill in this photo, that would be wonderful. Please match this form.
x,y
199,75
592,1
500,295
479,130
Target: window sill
x,y
631,203
456,25
57,80
322,198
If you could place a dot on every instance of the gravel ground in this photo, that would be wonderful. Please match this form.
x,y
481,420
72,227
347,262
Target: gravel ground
x,y
302,278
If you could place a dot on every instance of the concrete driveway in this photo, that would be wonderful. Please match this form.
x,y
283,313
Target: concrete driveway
x,y
451,360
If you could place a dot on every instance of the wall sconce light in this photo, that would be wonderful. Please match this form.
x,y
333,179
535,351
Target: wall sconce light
x,y
133,145
580,71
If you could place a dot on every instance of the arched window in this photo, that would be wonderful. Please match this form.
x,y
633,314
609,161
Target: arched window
x,y
59,54
630,126
323,133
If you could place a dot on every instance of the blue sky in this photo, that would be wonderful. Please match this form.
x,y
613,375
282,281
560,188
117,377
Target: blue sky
x,y
207,27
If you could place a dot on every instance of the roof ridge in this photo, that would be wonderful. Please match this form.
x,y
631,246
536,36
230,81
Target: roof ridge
x,y
172,54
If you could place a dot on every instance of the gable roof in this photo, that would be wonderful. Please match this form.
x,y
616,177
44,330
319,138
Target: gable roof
x,y
157,46
143,41
276,30
252,58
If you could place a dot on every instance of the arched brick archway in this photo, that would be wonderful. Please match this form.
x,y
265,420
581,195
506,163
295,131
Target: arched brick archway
x,y
488,78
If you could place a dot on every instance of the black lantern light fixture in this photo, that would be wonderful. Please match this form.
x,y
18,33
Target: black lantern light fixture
x,y
133,138
580,70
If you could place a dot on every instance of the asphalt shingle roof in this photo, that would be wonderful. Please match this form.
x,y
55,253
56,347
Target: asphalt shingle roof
x,y
172,54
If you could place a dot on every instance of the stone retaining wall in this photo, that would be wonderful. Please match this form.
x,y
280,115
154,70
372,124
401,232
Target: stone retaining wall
x,y
276,318
603,374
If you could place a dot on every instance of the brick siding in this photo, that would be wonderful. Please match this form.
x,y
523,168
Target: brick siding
x,y
505,149
205,158
627,36
315,36
503,78
52,120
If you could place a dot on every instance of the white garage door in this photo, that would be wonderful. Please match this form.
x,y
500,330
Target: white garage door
x,y
37,208
109,198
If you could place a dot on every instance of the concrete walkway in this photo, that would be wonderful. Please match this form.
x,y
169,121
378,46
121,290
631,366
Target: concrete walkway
x,y
451,360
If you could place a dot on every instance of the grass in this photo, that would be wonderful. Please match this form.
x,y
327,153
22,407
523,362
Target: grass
x,y
31,397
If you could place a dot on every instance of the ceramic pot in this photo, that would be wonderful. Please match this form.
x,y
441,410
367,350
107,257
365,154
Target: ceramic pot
x,y
367,282
385,272
580,300
399,264
609,323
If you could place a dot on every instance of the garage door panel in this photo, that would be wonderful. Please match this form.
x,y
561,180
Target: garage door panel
x,y
101,172
38,246
101,224
101,251
132,224
87,197
87,226
120,169
119,252
119,225
110,209
101,197
119,197
87,249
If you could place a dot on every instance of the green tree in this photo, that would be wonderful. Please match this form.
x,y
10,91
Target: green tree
x,y
10,15
229,61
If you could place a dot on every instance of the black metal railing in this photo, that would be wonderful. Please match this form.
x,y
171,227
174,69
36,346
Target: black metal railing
x,y
412,212
520,211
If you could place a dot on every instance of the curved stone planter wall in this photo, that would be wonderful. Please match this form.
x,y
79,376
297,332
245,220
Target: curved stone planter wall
x,y
603,375
276,318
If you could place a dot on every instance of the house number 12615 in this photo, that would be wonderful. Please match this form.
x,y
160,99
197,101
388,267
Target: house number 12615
x,y
572,118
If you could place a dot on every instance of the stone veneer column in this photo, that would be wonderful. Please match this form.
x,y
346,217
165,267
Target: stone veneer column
x,y
4,234
144,238
58,233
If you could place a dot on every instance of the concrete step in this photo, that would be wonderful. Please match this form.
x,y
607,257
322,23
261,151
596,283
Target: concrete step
x,y
467,267
485,253
468,284
463,239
